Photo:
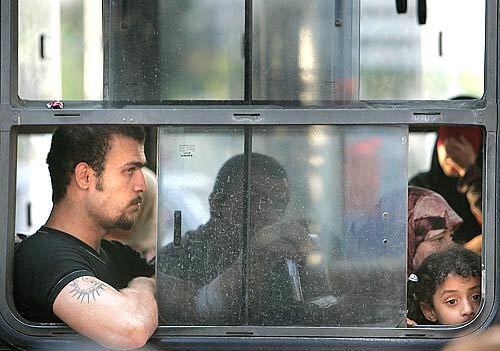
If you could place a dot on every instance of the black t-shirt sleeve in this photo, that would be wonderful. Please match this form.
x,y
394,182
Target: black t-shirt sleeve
x,y
41,272
65,280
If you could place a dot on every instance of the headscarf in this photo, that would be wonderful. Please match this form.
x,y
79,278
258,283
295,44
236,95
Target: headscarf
x,y
436,180
428,215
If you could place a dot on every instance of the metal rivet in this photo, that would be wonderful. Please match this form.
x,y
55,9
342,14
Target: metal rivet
x,y
385,214
338,22
385,241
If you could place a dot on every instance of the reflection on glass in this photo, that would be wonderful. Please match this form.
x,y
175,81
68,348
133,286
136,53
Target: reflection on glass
x,y
325,242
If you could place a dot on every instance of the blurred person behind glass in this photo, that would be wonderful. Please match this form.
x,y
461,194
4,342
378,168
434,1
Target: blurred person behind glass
x,y
201,279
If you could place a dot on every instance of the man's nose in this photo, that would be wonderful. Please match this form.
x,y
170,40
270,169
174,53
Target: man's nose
x,y
140,182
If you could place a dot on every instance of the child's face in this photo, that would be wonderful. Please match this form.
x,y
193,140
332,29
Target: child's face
x,y
455,301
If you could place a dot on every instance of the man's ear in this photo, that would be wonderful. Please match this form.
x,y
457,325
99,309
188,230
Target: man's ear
x,y
428,312
83,175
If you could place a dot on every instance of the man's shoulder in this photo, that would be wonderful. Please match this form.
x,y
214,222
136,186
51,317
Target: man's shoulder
x,y
47,245
45,238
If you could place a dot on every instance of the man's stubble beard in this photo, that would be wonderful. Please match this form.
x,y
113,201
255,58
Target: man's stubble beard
x,y
120,222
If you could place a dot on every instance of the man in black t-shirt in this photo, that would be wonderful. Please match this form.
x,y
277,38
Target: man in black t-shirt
x,y
66,271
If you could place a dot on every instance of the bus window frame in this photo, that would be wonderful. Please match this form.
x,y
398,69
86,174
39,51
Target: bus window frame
x,y
15,115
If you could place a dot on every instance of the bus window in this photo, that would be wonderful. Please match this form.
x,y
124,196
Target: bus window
x,y
283,135
340,192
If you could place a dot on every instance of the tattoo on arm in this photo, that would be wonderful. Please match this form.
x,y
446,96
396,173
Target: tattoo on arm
x,y
85,288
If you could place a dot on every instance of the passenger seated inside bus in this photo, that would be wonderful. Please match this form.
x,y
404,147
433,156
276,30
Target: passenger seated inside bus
x,y
202,277
142,236
431,224
446,288
455,173
66,271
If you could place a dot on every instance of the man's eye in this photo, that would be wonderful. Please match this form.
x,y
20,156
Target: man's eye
x,y
451,301
129,170
476,297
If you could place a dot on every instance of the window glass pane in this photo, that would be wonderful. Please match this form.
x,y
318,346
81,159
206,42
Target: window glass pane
x,y
315,53
339,202
441,59
347,187
341,51
305,51
190,159
176,50
60,53
153,51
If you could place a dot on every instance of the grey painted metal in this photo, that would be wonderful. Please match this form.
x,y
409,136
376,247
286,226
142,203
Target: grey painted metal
x,y
408,114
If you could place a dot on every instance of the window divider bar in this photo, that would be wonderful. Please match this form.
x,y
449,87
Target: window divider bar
x,y
247,188
248,51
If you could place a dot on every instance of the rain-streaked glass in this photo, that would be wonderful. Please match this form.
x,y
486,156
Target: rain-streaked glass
x,y
335,194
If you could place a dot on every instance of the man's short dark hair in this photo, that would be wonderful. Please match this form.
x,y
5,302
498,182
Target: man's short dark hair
x,y
90,144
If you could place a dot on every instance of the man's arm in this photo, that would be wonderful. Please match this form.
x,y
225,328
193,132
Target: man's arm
x,y
122,319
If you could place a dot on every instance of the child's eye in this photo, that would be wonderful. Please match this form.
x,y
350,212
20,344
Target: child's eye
x,y
476,297
451,301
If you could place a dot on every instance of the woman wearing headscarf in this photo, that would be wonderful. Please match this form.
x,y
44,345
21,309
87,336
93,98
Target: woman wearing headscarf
x,y
431,223
456,174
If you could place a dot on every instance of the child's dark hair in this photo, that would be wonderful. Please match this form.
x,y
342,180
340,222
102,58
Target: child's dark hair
x,y
432,273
